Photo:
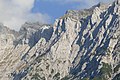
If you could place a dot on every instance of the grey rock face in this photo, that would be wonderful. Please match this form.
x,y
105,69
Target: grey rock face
x,y
81,45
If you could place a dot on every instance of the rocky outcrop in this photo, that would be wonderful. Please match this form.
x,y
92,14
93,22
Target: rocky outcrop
x,y
81,45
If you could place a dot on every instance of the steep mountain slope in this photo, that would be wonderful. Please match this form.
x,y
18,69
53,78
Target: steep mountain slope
x,y
81,45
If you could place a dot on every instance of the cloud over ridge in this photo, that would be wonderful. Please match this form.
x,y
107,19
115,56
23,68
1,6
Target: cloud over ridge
x,y
13,13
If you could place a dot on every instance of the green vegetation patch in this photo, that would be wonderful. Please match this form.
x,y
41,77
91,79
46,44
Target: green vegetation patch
x,y
65,78
56,76
106,69
117,77
105,73
117,68
36,76
52,71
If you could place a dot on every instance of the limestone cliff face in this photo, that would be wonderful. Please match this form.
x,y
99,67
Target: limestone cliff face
x,y
81,45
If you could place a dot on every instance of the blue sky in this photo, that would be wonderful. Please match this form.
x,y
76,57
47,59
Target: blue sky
x,y
54,10
57,8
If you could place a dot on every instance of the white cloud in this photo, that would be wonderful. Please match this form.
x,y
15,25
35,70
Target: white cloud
x,y
13,13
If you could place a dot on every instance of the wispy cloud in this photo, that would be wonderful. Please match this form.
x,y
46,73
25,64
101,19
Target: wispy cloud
x,y
13,13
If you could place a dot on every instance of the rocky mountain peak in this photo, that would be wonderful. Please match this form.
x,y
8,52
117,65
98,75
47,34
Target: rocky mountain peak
x,y
4,29
81,45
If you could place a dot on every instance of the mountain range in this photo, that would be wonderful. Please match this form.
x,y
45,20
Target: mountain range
x,y
80,45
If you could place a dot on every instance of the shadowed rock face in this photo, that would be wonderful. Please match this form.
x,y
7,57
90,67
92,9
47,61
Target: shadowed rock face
x,y
81,45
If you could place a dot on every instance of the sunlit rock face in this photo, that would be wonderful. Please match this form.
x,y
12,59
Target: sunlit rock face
x,y
81,45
